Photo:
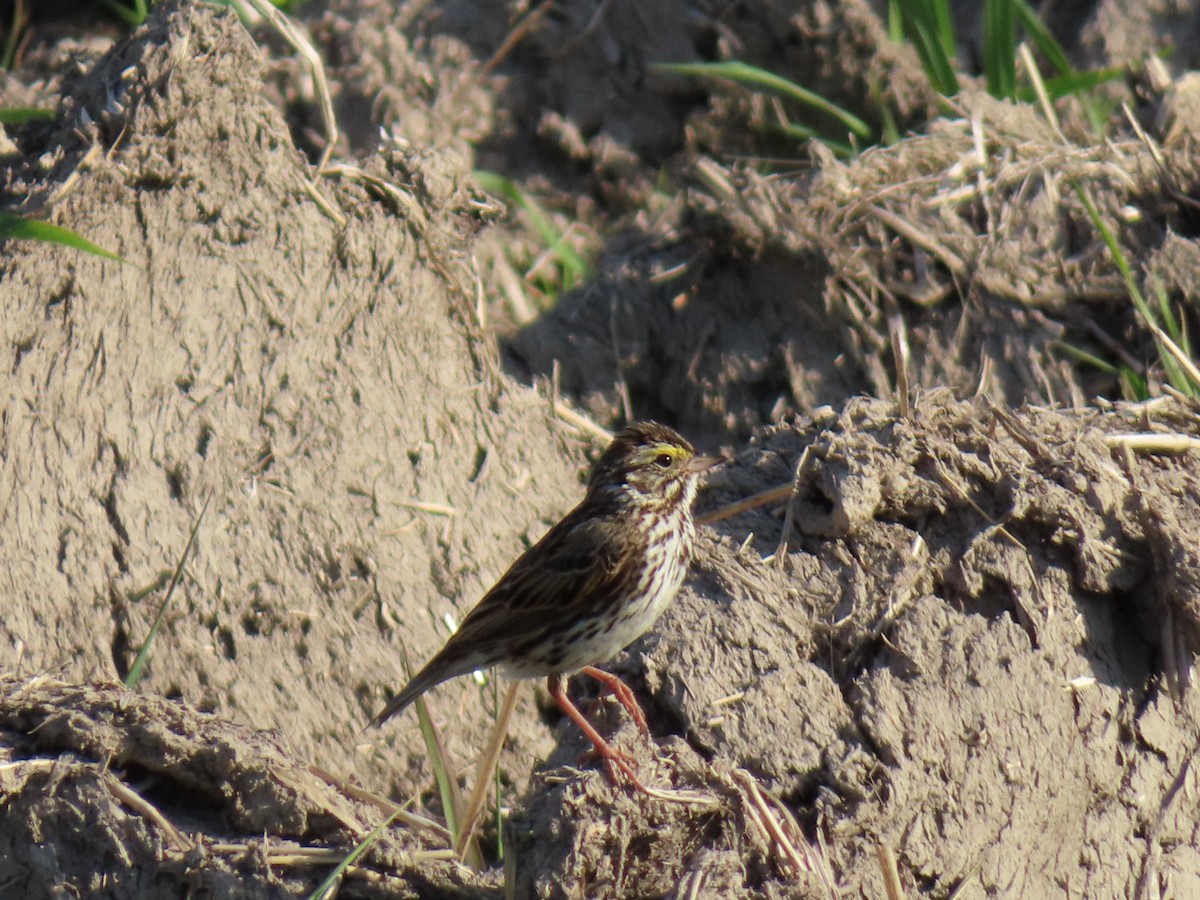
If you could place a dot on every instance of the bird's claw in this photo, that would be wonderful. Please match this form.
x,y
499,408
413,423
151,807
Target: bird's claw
x,y
623,695
616,761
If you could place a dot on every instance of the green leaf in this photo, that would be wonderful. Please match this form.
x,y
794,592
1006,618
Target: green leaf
x,y
752,76
14,227
19,115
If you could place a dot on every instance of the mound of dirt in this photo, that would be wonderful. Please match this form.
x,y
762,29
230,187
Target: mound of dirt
x,y
931,642
970,649
269,357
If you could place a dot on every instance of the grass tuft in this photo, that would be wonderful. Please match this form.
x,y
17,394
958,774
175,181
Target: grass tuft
x,y
1174,346
928,25
569,267
453,806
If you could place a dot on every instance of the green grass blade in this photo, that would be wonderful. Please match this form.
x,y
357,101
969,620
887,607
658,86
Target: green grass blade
x,y
16,32
14,227
895,21
889,133
1170,323
19,115
1050,48
1174,326
751,76
1114,248
131,16
1084,356
498,811
497,780
1000,47
575,268
488,762
1176,374
1180,369
943,23
937,64
933,18
447,784
801,133
497,783
1068,81
1133,385
325,888
143,655
1075,83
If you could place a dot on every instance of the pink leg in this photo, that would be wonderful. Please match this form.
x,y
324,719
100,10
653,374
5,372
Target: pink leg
x,y
621,691
614,758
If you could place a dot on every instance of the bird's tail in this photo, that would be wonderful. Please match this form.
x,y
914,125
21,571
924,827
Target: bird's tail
x,y
397,704
441,668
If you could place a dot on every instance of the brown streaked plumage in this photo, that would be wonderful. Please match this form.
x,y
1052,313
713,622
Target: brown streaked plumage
x,y
597,581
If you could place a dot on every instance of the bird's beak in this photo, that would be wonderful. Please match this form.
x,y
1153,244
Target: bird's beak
x,y
698,464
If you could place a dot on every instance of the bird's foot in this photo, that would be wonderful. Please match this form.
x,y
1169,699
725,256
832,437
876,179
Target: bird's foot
x,y
616,761
623,694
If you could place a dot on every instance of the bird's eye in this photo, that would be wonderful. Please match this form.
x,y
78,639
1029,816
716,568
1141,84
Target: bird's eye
x,y
663,460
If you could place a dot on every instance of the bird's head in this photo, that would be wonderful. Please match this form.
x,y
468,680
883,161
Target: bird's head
x,y
648,463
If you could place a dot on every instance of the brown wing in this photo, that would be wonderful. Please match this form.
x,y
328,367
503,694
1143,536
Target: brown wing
x,y
580,566
574,571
